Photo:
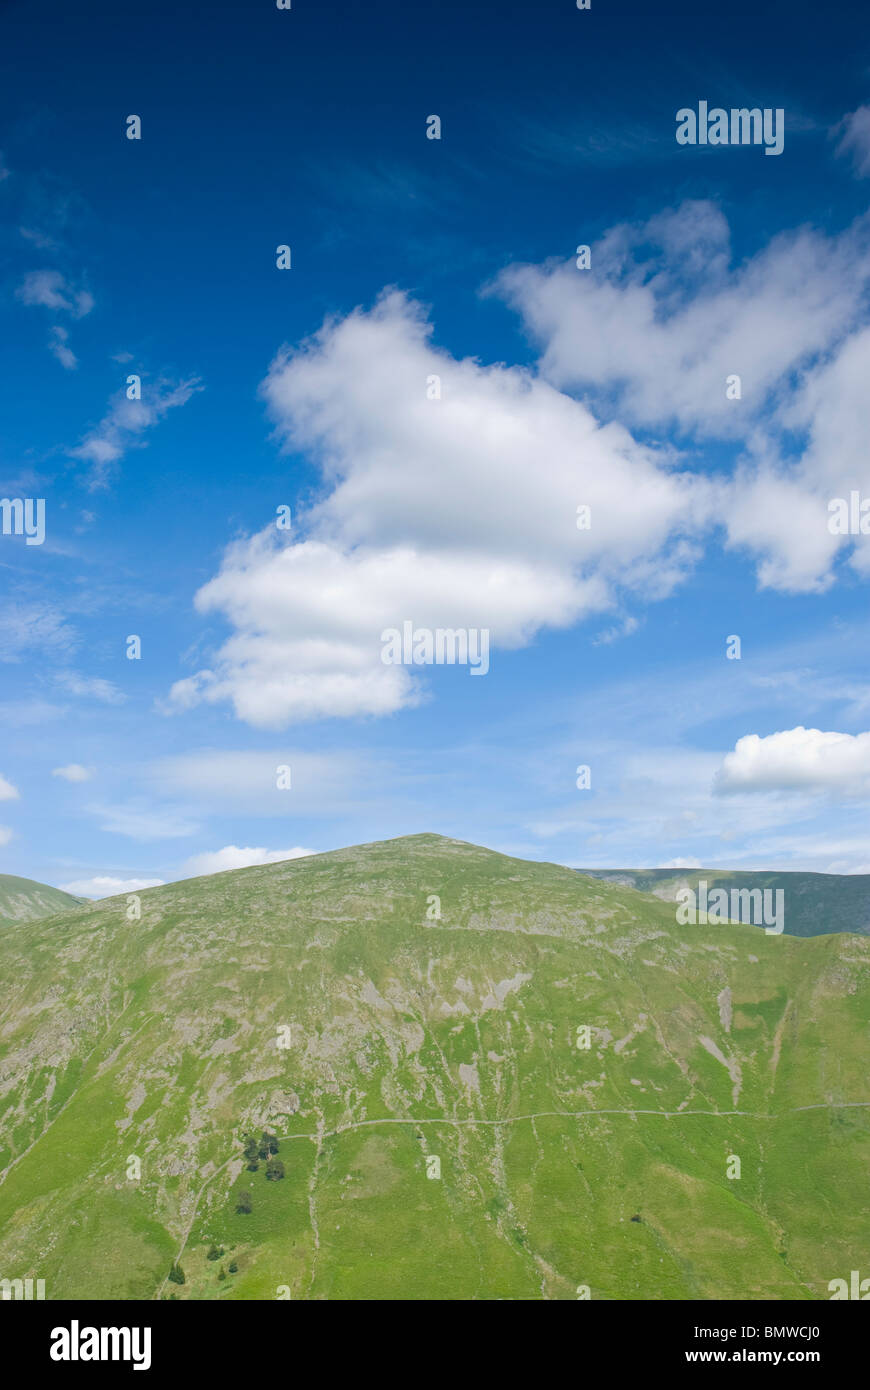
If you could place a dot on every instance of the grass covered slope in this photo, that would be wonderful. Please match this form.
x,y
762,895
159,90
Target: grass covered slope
x,y
318,1000
23,900
814,904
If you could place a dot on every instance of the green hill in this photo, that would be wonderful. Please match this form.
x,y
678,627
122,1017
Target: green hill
x,y
23,900
326,1001
815,904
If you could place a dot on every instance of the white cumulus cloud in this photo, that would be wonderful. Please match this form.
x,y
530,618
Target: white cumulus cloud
x,y
666,315
459,512
663,315
231,857
105,886
803,760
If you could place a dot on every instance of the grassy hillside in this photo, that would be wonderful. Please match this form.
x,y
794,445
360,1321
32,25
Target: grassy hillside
x,y
23,900
413,1038
815,904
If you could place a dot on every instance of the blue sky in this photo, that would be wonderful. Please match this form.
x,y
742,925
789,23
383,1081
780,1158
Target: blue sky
x,y
307,387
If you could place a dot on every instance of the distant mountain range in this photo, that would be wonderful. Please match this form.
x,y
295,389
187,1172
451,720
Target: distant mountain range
x,y
24,900
815,904
485,1078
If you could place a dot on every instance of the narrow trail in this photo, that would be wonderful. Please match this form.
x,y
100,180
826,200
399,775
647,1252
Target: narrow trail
x,y
319,1135
580,1114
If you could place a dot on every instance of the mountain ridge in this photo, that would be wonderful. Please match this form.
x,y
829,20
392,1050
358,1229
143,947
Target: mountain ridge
x,y
25,899
571,1057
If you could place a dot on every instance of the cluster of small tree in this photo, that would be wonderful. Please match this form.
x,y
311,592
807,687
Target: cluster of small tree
x,y
257,1149
215,1253
176,1274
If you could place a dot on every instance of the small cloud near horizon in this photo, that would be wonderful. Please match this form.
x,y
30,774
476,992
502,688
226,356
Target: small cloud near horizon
x,y
232,857
105,886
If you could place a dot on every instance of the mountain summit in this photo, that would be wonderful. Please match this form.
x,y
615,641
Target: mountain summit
x,y
418,1066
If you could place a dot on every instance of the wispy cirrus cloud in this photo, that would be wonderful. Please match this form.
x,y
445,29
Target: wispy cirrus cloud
x,y
124,424
22,714
73,772
141,820
594,142
235,781
57,345
854,140
90,687
34,627
39,238
50,289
